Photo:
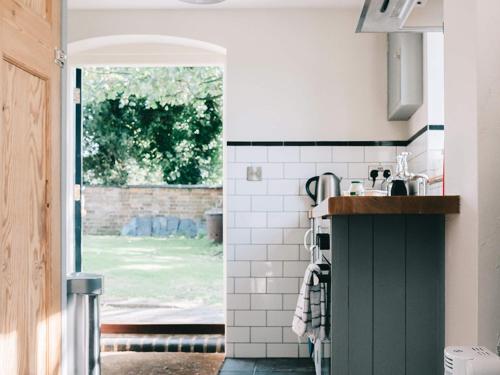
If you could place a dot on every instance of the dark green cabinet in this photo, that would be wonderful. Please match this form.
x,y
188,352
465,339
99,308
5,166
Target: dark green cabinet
x,y
387,294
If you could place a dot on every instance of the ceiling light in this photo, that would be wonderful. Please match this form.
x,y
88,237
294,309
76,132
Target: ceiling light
x,y
202,2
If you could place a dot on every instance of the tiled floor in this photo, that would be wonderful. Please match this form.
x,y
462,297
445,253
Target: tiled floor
x,y
284,366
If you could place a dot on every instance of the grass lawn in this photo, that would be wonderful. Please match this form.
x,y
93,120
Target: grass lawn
x,y
156,271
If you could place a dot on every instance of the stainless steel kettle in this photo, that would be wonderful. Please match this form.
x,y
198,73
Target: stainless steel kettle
x,y
327,185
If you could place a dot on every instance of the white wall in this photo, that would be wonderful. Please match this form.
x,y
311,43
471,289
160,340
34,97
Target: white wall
x,y
488,76
472,115
145,54
291,74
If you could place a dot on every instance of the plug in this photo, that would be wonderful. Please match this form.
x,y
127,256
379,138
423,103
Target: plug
x,y
387,173
373,176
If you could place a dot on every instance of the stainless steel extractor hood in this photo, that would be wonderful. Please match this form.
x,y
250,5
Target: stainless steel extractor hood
x,y
386,16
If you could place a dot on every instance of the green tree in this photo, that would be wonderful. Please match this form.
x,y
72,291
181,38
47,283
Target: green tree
x,y
171,135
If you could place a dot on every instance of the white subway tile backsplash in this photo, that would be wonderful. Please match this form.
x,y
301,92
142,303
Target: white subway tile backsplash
x,y
251,154
244,187
249,350
230,154
304,351
271,170
267,203
418,146
266,221
280,318
294,236
230,219
358,170
238,203
290,301
229,285
230,187
250,285
250,318
282,350
229,317
339,169
283,219
294,269
229,252
435,140
283,252
267,236
288,154
304,254
418,164
347,154
283,187
435,162
282,285
238,334
237,170
291,337
250,220
250,252
237,301
299,170
229,350
238,269
315,154
294,203
304,220
266,302
238,236
380,154
266,334
266,269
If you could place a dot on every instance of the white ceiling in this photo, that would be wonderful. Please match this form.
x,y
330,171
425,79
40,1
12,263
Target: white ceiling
x,y
228,4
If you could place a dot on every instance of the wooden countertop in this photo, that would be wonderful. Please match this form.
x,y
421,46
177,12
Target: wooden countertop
x,y
387,206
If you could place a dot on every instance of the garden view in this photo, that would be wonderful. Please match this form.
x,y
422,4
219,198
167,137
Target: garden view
x,y
151,145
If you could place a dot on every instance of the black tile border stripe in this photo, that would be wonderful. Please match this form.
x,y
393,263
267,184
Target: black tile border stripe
x,y
338,143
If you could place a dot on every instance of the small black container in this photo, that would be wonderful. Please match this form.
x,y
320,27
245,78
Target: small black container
x,y
399,188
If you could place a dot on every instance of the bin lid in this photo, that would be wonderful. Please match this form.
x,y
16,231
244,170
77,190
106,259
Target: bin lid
x,y
214,211
85,283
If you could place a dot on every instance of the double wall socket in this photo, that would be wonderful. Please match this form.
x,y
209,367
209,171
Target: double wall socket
x,y
380,168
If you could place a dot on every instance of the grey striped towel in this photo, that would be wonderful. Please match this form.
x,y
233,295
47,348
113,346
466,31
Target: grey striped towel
x,y
310,313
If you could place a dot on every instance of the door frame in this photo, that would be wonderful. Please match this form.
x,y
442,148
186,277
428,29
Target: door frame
x,y
68,165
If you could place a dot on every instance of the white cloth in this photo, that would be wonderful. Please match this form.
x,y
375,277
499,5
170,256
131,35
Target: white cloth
x,y
310,314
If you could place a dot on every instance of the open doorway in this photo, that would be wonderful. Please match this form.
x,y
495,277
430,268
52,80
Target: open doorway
x,y
151,177
150,224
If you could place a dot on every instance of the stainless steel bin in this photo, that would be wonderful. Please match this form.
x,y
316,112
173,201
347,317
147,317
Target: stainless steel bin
x,y
85,332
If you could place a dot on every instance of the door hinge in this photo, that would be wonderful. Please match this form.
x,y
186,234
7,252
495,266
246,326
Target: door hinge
x,y
77,193
77,96
60,57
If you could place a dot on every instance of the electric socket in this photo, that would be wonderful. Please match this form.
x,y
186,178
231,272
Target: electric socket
x,y
380,168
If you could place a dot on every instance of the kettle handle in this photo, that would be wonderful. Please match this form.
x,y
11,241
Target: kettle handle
x,y
308,184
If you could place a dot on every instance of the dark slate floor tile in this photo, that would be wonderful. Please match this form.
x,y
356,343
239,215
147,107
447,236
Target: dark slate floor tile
x,y
286,365
238,365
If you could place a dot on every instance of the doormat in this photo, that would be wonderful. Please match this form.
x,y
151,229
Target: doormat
x,y
163,343
132,363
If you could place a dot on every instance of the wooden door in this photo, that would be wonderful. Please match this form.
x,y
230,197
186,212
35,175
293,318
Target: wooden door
x,y
30,262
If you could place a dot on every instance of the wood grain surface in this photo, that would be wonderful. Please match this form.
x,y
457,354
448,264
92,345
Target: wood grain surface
x,y
387,206
30,252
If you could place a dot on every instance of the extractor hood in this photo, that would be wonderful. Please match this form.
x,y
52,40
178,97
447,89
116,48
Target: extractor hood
x,y
386,16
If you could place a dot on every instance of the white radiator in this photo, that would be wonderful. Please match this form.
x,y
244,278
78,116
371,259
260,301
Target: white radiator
x,y
470,360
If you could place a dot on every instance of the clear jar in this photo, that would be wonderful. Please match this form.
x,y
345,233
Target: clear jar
x,y
356,188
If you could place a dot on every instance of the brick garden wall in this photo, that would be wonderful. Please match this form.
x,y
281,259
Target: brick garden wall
x,y
108,209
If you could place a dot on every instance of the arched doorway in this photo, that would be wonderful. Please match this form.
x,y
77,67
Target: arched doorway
x,y
137,51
